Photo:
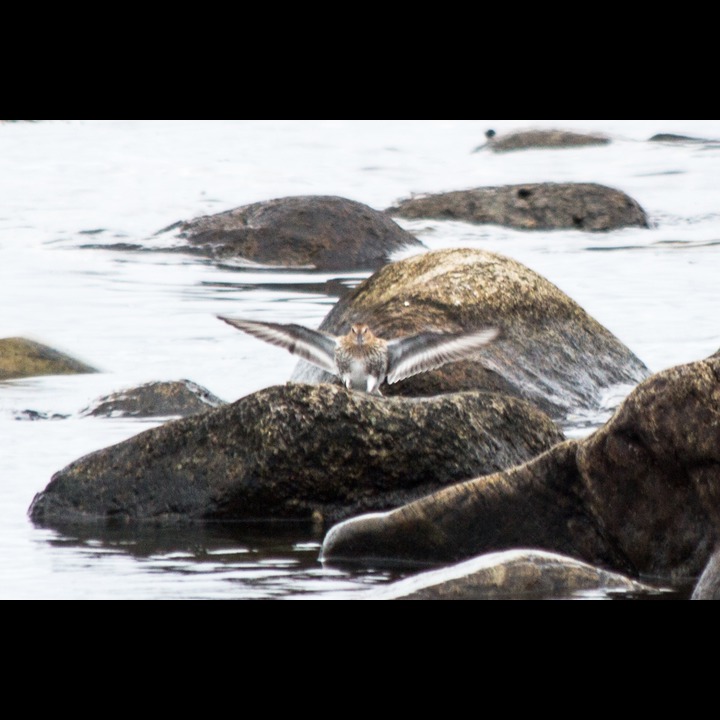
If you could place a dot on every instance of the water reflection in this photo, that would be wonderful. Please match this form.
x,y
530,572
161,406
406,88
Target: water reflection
x,y
248,560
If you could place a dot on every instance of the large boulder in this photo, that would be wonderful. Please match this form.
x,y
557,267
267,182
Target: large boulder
x,y
298,452
533,139
551,352
514,574
640,496
21,358
155,399
322,232
531,206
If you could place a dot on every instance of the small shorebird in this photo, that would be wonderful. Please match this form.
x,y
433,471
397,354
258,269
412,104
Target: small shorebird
x,y
363,361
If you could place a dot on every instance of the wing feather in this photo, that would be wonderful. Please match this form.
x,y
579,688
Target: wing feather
x,y
430,350
312,345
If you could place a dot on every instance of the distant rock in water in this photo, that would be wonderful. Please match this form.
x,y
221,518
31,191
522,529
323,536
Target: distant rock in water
x,y
531,139
155,399
639,496
296,452
34,415
672,138
322,232
542,206
21,358
516,575
550,351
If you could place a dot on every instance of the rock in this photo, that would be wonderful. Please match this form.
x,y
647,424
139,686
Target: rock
x,y
672,138
155,399
533,139
298,452
34,415
514,575
326,233
21,358
640,496
708,586
551,352
539,206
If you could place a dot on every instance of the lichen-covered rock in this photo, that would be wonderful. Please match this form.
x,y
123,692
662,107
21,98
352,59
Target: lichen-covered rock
x,y
298,452
21,358
155,399
532,206
551,352
323,232
533,139
517,575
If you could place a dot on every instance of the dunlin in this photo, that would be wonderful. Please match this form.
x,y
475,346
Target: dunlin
x,y
363,361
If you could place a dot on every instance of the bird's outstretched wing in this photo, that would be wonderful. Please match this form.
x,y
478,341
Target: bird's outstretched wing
x,y
312,345
426,351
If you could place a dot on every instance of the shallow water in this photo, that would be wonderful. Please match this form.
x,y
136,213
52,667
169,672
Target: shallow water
x,y
141,316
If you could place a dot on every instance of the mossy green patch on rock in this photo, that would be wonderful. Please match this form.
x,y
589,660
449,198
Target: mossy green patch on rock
x,y
532,206
297,452
551,352
21,358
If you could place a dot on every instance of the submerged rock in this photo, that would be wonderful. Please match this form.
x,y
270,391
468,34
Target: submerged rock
x,y
298,452
532,206
322,232
34,415
516,575
640,496
550,352
21,358
155,399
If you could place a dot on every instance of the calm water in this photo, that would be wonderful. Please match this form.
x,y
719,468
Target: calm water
x,y
151,316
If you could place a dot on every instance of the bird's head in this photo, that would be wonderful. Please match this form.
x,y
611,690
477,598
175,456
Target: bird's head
x,y
360,333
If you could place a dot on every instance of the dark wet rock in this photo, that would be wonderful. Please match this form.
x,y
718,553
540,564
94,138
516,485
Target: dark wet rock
x,y
533,139
21,358
323,232
538,206
33,415
296,452
517,575
672,138
155,399
708,586
640,496
550,352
